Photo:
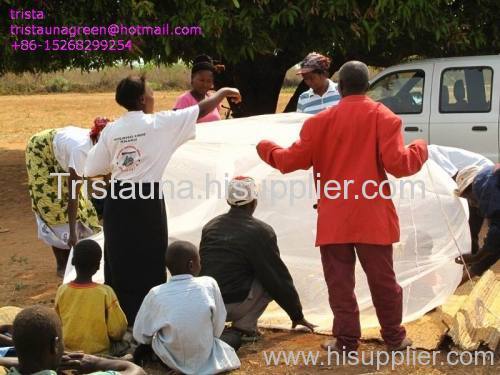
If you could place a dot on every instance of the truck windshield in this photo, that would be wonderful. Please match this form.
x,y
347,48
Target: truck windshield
x,y
400,91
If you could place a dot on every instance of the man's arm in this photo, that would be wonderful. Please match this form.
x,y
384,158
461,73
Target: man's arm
x,y
297,156
209,104
491,244
475,225
274,276
398,160
492,239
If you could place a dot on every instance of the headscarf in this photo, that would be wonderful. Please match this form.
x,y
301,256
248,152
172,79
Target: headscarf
x,y
314,61
99,124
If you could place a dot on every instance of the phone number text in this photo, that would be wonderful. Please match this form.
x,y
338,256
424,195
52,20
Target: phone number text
x,y
110,45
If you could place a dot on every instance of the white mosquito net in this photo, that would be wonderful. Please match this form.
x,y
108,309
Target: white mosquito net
x,y
433,222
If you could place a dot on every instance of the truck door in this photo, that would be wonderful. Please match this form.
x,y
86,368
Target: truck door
x,y
462,114
407,92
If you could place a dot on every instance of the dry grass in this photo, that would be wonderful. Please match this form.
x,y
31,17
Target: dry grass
x,y
23,115
176,76
172,77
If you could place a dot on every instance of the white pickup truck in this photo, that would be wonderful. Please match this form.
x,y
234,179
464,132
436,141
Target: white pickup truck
x,y
451,101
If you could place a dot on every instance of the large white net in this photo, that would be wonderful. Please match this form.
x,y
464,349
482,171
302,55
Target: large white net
x,y
433,222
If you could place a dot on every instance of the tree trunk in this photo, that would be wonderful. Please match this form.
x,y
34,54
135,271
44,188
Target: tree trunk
x,y
292,103
259,82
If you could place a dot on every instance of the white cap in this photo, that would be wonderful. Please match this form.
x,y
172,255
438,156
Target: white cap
x,y
241,190
465,177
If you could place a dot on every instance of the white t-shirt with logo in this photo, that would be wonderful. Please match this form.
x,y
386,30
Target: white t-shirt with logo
x,y
71,146
138,146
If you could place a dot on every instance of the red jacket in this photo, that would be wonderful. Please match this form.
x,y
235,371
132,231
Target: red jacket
x,y
358,140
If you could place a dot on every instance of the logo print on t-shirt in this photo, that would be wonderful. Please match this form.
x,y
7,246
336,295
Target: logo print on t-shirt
x,y
129,157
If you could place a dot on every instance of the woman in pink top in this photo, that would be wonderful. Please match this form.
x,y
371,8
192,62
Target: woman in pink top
x,y
202,80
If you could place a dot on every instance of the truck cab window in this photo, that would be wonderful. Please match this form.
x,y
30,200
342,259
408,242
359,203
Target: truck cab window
x,y
402,91
466,90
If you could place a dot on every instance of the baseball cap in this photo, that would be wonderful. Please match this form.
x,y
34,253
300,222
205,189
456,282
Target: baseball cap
x,y
241,191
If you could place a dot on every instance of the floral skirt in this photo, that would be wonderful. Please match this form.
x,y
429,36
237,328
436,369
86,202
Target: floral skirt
x,y
48,200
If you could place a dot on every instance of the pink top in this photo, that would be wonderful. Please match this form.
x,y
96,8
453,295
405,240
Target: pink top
x,y
188,100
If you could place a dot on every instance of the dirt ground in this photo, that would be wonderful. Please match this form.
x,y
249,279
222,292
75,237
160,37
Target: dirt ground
x,y
27,267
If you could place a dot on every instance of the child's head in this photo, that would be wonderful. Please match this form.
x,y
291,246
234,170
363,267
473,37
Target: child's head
x,y
182,257
86,257
134,94
38,338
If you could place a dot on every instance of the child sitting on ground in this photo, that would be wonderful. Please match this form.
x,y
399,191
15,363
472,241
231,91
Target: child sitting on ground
x,y
39,344
183,319
91,315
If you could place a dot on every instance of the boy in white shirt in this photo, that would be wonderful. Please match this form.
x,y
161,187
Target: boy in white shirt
x,y
183,319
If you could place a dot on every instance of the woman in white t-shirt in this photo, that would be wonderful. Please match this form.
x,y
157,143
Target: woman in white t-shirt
x,y
136,151
62,218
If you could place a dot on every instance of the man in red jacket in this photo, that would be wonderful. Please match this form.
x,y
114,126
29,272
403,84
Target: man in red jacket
x,y
350,147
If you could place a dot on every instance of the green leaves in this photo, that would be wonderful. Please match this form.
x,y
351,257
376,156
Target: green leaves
x,y
144,8
376,31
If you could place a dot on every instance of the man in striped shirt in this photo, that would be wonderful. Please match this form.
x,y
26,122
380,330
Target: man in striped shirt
x,y
323,91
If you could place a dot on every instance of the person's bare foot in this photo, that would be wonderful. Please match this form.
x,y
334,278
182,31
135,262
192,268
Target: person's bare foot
x,y
402,346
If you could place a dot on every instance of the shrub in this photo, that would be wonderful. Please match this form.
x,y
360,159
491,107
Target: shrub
x,y
58,84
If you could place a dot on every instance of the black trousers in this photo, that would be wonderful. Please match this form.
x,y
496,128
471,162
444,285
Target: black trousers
x,y
135,241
